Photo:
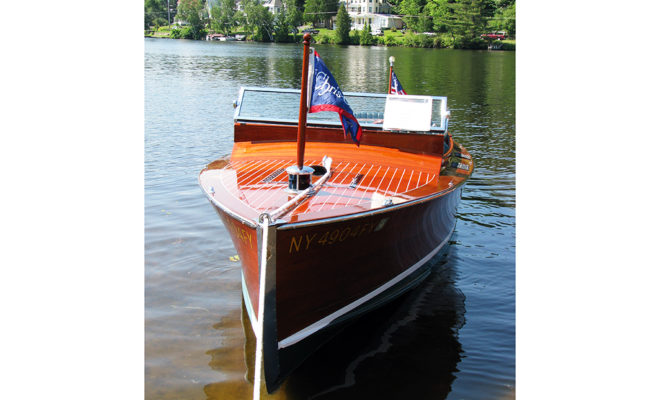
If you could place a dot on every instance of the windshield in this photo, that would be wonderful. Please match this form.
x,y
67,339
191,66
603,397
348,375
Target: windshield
x,y
282,105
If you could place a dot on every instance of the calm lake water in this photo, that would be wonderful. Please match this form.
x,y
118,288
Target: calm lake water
x,y
453,337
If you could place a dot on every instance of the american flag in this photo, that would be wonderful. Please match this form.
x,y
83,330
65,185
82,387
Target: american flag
x,y
396,87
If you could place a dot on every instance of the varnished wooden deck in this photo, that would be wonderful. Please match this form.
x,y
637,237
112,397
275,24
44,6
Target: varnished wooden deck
x,y
254,179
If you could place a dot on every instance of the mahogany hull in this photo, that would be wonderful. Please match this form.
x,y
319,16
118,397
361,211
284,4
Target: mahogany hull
x,y
330,271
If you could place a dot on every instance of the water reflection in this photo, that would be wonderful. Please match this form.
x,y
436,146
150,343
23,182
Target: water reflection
x,y
406,349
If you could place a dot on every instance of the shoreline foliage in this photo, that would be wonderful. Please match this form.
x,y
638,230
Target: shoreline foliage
x,y
194,12
455,24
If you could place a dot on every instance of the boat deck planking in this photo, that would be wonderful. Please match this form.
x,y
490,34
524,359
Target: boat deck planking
x,y
253,179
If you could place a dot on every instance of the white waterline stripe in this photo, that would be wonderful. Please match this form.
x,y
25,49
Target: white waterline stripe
x,y
248,304
322,323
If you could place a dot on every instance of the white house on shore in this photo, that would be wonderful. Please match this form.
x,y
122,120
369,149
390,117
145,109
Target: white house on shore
x,y
274,6
371,12
366,6
362,12
375,21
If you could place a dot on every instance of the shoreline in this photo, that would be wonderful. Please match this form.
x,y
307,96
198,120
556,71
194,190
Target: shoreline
x,y
495,45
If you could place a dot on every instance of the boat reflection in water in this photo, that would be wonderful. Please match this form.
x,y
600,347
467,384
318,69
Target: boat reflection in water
x,y
408,348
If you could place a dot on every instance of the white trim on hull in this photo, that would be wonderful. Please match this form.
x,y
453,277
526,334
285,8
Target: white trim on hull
x,y
324,322
248,303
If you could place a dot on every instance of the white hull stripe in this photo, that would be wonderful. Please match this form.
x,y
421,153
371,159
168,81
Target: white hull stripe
x,y
248,304
322,323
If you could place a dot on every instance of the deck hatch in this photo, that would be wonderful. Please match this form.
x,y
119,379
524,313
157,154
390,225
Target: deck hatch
x,y
273,175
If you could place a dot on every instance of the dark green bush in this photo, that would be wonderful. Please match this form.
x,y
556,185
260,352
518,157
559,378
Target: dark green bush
x,y
188,32
417,40
462,42
176,33
366,38
325,37
354,37
391,40
508,46
183,33
442,41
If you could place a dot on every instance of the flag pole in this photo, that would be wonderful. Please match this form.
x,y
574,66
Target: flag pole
x,y
302,116
300,177
389,86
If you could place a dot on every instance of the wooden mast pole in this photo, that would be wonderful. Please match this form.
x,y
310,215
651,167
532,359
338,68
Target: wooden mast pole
x,y
302,116
300,177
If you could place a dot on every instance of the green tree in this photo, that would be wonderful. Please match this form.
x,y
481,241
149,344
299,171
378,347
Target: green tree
x,y
329,7
439,12
504,18
467,19
366,38
281,28
412,13
239,17
313,10
222,16
319,10
155,13
194,12
216,16
425,21
294,17
258,21
343,28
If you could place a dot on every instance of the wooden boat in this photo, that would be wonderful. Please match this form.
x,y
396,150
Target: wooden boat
x,y
351,229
